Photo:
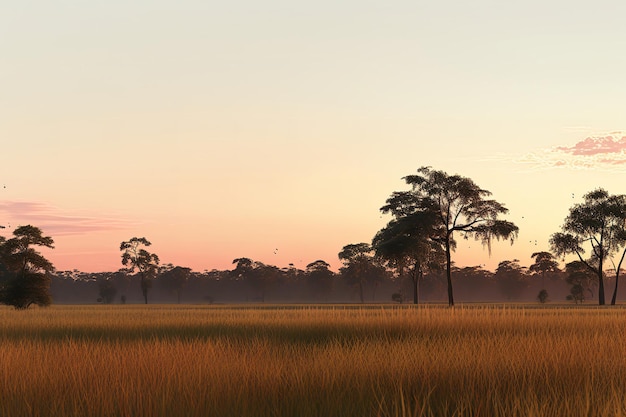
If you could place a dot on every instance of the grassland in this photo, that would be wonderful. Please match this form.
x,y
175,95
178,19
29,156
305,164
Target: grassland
x,y
312,361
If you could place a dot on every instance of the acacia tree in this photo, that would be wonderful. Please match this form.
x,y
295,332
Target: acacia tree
x,y
406,242
460,206
26,271
598,222
136,258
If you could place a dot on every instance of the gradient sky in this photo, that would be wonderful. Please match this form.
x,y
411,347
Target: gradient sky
x,y
275,130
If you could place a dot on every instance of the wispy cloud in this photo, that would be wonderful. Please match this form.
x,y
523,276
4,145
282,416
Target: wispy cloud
x,y
599,152
55,221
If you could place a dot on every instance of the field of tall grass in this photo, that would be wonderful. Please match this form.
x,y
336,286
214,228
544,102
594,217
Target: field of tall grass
x,y
312,361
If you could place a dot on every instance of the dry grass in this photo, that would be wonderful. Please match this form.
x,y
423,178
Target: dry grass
x,y
298,361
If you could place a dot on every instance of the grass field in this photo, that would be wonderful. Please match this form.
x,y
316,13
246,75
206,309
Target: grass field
x,y
312,361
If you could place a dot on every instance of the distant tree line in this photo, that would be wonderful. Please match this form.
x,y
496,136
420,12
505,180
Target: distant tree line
x,y
365,281
408,260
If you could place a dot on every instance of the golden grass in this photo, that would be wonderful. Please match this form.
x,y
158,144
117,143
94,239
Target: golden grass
x,y
312,361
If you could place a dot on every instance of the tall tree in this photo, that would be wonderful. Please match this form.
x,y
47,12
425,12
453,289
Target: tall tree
x,y
136,258
598,222
461,207
406,243
26,271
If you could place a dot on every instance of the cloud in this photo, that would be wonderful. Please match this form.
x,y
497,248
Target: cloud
x,y
598,152
595,145
55,221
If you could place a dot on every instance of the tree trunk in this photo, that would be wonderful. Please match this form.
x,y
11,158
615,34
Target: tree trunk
x,y
614,298
144,288
601,300
415,279
449,271
619,267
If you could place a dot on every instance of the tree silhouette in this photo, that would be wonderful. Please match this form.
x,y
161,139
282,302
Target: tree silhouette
x,y
511,278
598,222
136,258
460,206
581,280
174,279
319,279
360,267
407,241
26,279
544,265
107,290
257,276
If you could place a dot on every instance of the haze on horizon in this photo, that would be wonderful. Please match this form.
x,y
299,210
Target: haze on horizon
x,y
276,131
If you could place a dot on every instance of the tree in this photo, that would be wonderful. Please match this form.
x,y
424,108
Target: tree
x,y
544,265
360,267
174,279
511,278
136,258
257,276
319,279
106,290
581,280
460,206
26,279
598,222
407,241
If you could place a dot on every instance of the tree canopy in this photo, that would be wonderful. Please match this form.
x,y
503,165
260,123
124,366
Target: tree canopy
x,y
26,278
599,224
459,205
136,258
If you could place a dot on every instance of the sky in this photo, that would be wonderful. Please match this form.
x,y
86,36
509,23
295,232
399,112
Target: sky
x,y
276,130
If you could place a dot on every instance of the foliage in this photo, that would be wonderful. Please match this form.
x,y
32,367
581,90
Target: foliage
x,y
460,207
107,290
542,297
581,281
319,279
258,276
410,240
599,223
511,278
174,279
136,258
26,280
360,268
545,263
